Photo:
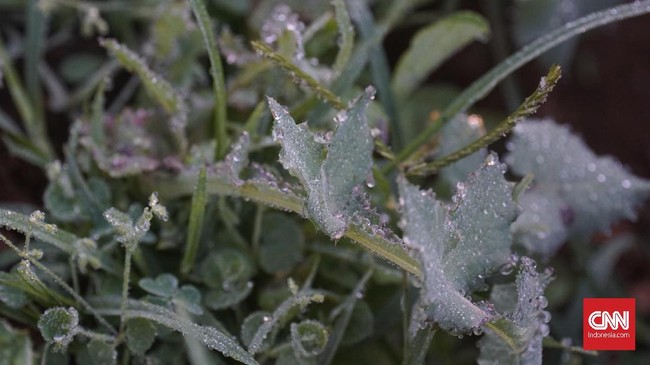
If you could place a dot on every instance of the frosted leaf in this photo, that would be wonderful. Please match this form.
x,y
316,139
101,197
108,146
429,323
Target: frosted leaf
x,y
98,352
523,304
540,227
456,134
598,190
58,326
282,245
140,335
236,160
165,285
329,182
308,338
461,245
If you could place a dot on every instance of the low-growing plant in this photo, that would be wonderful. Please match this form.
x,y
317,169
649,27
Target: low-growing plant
x,y
192,208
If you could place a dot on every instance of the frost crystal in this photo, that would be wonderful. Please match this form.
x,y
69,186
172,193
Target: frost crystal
x,y
588,192
331,181
461,245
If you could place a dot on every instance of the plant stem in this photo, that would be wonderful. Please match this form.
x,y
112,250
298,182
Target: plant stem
x,y
260,193
527,108
216,71
320,90
125,288
197,213
485,84
61,283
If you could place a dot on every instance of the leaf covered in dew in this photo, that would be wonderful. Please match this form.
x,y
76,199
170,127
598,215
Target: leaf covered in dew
x,y
460,245
165,285
308,338
58,326
98,352
16,346
433,45
330,172
597,191
140,335
523,304
282,245
456,134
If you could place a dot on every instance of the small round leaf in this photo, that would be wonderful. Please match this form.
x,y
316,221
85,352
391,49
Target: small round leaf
x,y
308,338
59,325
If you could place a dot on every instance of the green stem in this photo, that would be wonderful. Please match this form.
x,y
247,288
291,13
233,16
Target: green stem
x,y
283,200
527,108
319,89
216,71
125,288
485,84
95,336
60,282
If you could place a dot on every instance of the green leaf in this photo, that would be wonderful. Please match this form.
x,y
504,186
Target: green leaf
x,y
308,338
98,352
155,84
459,246
361,324
197,212
251,324
224,298
330,182
77,67
165,285
540,227
12,297
15,346
523,304
597,190
433,45
346,32
225,269
58,326
190,298
140,335
282,243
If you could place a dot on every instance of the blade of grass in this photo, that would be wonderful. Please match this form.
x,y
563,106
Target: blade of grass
x,y
34,46
216,71
346,33
35,127
487,82
197,213
527,108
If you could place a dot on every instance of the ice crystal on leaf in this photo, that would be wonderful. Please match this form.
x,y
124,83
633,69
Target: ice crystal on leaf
x,y
329,172
459,245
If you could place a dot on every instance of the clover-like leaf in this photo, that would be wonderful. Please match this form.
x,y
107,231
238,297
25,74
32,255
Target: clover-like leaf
x,y
58,326
190,298
140,335
461,245
98,352
597,191
165,285
282,244
12,297
523,304
308,338
15,346
330,181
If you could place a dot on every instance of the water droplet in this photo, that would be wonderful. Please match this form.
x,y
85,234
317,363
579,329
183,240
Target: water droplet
x,y
506,269
626,184
601,178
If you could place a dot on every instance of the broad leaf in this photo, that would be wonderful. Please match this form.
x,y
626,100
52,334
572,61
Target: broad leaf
x,y
461,245
597,190
308,338
282,243
523,304
140,335
331,181
98,352
15,346
433,45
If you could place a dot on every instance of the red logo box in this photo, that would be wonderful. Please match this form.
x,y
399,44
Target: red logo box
x,y
609,324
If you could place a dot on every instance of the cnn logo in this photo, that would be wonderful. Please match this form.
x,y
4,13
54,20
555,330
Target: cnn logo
x,y
603,320
609,324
